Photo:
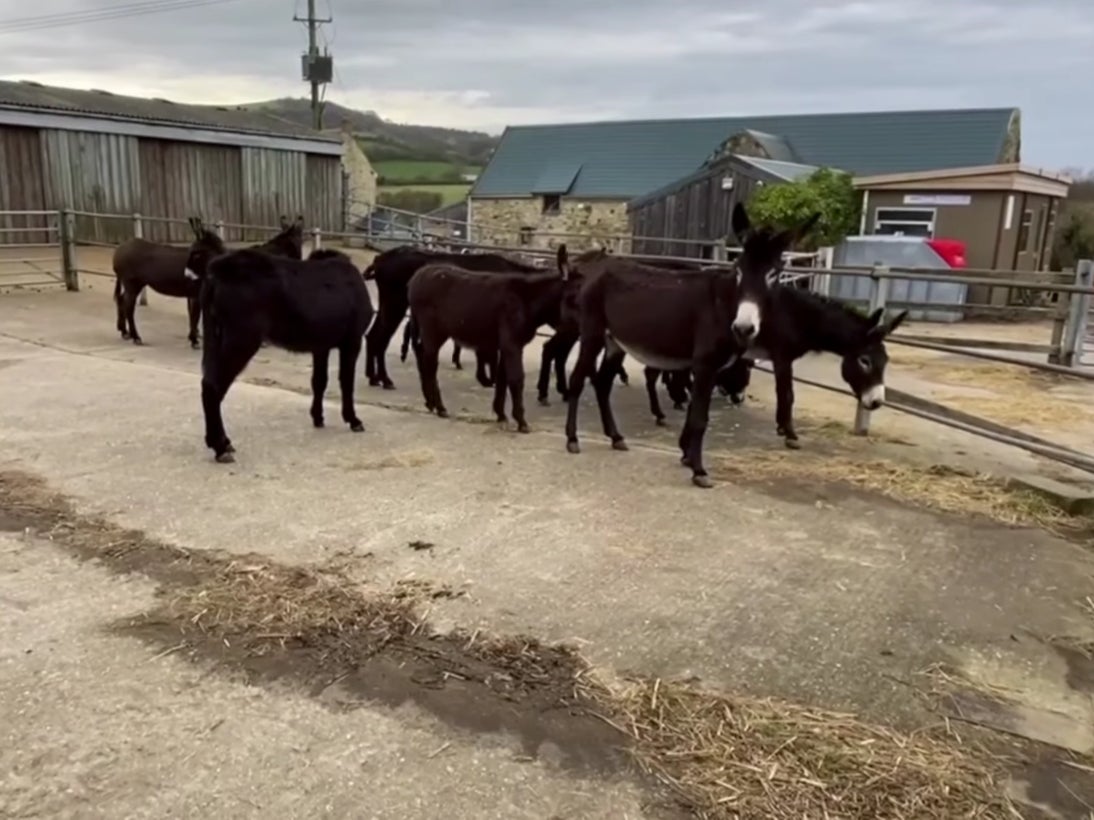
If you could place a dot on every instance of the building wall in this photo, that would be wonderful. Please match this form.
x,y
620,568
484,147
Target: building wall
x,y
599,221
49,169
982,224
361,179
700,209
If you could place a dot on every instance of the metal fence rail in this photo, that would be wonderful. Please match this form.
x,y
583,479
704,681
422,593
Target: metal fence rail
x,y
34,256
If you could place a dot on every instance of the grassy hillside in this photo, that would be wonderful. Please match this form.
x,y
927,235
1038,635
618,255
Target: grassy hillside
x,y
421,167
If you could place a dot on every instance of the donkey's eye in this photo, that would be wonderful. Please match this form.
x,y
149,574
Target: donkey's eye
x,y
865,364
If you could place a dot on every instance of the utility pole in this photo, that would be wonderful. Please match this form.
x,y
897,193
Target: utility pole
x,y
317,69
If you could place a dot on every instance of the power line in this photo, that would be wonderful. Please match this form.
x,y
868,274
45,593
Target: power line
x,y
115,12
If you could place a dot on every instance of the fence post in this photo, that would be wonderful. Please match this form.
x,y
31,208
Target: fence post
x,y
879,294
218,229
718,250
824,280
138,233
316,239
68,249
1078,309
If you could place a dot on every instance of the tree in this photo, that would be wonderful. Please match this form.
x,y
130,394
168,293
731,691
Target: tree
x,y
830,192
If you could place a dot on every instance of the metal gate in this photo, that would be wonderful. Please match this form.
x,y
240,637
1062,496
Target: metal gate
x,y
31,250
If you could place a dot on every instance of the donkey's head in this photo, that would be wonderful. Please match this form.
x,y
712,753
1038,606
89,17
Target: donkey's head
x,y
759,264
205,247
863,367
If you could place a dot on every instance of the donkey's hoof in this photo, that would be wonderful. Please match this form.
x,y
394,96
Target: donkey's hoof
x,y
357,426
318,423
137,340
660,421
793,444
702,481
227,457
442,413
522,427
573,447
544,401
621,445
389,385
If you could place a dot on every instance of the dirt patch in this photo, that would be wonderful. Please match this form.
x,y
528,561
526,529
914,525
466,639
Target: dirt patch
x,y
344,642
937,487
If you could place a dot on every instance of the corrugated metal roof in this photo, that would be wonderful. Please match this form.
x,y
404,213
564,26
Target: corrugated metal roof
x,y
30,96
788,171
557,178
629,158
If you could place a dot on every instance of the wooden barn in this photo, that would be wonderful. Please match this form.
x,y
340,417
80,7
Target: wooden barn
x,y
99,152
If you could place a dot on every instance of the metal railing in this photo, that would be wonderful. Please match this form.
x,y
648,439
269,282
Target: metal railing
x,y
32,249
812,270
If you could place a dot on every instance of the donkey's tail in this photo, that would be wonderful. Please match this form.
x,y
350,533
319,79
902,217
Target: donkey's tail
x,y
117,290
370,271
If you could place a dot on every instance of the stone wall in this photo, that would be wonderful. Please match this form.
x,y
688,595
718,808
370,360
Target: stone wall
x,y
590,222
361,178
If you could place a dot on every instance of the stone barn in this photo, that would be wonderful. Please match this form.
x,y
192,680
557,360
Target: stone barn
x,y
580,178
100,152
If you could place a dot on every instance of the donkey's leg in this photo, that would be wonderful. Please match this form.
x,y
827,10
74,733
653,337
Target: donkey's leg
x,y
220,366
193,308
428,362
602,383
696,425
561,354
320,360
456,356
484,368
652,375
370,345
119,291
592,342
511,371
543,381
379,335
129,305
784,402
408,336
347,372
499,392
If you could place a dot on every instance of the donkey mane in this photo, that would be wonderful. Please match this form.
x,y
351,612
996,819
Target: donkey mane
x,y
829,324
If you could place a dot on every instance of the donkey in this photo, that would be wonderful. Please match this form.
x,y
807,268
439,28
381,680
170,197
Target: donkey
x,y
288,242
311,306
672,321
139,263
494,312
393,271
800,322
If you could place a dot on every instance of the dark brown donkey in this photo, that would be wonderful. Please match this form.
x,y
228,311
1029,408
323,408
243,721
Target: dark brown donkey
x,y
305,306
494,312
671,321
139,263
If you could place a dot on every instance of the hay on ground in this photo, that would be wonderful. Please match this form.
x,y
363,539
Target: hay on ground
x,y
937,487
732,758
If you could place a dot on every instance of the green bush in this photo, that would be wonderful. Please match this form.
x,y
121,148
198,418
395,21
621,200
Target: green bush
x,y
827,191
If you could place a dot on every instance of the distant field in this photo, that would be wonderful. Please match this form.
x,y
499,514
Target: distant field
x,y
449,193
404,171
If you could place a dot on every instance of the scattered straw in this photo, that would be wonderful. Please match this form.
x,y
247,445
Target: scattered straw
x,y
937,487
1028,408
731,757
409,458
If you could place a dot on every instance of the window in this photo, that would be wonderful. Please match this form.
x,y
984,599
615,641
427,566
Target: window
x,y
552,204
1024,231
526,234
904,222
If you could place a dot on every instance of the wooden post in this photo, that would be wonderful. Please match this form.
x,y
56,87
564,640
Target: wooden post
x,y
218,229
68,249
1078,309
718,250
824,280
316,239
879,293
138,233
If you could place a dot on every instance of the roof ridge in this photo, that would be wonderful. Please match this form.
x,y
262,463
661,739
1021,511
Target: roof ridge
x,y
816,114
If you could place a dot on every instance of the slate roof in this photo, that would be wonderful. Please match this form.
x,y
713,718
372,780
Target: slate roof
x,y
31,96
625,159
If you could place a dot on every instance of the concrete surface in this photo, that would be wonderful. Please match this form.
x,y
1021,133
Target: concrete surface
x,y
95,725
825,597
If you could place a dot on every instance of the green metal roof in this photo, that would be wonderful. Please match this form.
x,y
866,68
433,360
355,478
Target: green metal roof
x,y
624,159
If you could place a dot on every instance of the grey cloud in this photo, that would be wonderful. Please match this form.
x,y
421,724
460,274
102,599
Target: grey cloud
x,y
490,62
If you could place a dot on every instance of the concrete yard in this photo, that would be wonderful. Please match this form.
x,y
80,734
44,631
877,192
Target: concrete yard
x,y
813,592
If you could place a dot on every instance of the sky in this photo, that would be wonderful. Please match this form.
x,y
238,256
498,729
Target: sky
x,y
485,64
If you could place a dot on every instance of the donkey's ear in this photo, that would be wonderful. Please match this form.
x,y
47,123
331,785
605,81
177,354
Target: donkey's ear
x,y
300,220
804,228
873,321
284,221
740,222
895,322
563,258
